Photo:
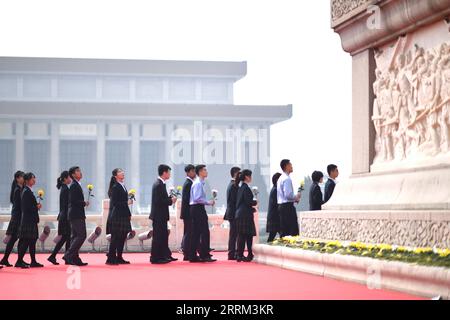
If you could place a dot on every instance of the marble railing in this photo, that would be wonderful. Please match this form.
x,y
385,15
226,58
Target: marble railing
x,y
140,223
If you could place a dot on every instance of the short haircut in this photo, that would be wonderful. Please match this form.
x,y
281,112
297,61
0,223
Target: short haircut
x,y
284,163
199,168
275,178
234,170
188,168
316,176
163,168
72,170
331,168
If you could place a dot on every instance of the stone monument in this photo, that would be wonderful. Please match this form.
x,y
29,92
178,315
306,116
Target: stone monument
x,y
399,191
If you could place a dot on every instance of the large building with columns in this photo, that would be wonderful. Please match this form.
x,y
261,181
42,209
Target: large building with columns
x,y
134,114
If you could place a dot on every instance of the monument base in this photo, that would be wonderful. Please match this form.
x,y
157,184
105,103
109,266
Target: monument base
x,y
419,228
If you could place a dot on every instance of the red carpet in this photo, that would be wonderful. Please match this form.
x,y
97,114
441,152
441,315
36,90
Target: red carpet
x,y
222,280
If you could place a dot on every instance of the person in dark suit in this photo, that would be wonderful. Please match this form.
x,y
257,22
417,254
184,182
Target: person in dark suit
x,y
119,222
77,218
28,230
245,224
159,215
333,173
231,212
16,216
315,194
185,210
200,237
273,216
64,232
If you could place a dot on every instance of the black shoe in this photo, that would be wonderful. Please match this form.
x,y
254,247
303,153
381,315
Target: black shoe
x,y
240,259
250,257
5,263
122,261
196,260
69,262
172,259
80,263
53,260
185,258
211,249
21,265
111,262
209,259
232,258
36,264
162,261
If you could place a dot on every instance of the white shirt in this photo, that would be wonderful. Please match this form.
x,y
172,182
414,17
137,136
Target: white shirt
x,y
285,190
164,181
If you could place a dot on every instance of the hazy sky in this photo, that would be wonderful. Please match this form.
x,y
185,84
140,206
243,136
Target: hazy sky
x,y
293,56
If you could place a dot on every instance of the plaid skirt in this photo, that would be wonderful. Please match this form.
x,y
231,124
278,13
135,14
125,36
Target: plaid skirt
x,y
246,225
64,228
13,227
120,225
273,224
28,231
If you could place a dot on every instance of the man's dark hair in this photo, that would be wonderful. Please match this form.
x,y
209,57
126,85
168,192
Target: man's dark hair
x,y
188,168
163,168
72,171
316,176
199,168
234,170
284,163
331,168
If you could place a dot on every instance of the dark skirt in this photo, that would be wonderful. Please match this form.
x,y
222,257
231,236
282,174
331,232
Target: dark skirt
x,y
29,231
64,228
273,222
13,227
119,226
288,219
246,226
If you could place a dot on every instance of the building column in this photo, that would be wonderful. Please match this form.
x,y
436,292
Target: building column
x,y
135,159
363,132
20,146
101,155
54,165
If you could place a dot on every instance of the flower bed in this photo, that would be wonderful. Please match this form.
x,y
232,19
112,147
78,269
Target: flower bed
x,y
422,256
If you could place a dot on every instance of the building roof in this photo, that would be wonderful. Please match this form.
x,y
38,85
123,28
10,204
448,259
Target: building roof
x,y
235,70
142,111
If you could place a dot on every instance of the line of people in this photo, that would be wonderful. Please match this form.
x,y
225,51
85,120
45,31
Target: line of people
x,y
241,206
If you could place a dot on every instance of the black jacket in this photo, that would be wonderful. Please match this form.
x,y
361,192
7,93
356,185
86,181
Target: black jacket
x,y
232,190
63,203
30,212
244,202
272,211
329,189
160,202
16,211
315,197
119,202
76,202
185,199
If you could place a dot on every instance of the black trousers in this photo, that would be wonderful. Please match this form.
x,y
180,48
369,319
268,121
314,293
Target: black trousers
x,y
187,234
288,220
116,245
24,245
242,240
200,237
272,236
10,246
232,239
78,228
64,240
160,241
